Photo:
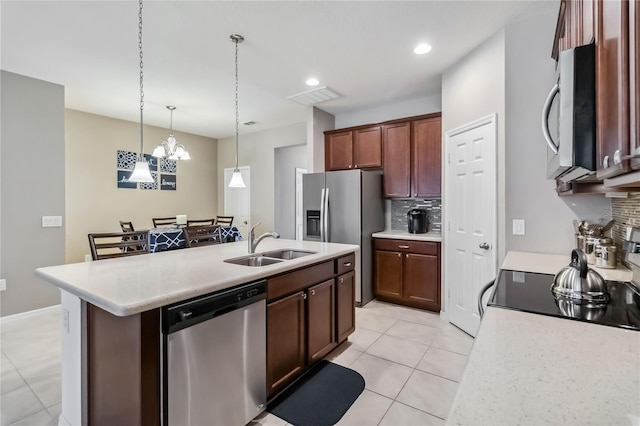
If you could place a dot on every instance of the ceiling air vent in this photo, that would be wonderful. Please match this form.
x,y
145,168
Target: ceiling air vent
x,y
314,96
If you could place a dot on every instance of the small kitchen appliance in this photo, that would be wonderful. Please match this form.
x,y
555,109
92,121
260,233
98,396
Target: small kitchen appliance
x,y
417,221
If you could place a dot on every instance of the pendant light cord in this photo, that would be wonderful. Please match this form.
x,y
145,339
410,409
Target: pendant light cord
x,y
141,78
236,40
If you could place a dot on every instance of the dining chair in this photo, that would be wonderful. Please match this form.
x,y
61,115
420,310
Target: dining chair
x,y
203,222
108,245
126,226
224,220
161,221
202,235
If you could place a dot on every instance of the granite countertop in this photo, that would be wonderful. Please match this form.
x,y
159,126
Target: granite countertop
x,y
129,285
404,235
535,369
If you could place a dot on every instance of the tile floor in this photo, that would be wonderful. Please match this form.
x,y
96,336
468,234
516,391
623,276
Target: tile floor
x,y
411,362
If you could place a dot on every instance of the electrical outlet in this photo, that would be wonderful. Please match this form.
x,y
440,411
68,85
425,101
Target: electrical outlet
x,y
518,226
3,284
51,221
87,258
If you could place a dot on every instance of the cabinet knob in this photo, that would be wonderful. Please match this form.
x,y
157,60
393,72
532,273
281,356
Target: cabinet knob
x,y
415,195
313,292
341,280
356,166
605,162
349,165
304,295
406,255
617,157
399,255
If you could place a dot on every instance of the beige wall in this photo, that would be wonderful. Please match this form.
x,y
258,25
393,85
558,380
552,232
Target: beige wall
x,y
256,150
93,201
32,164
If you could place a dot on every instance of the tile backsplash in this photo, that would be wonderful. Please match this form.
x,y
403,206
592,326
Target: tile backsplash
x,y
400,207
626,212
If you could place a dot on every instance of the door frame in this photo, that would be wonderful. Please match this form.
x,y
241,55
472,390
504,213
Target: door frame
x,y
446,238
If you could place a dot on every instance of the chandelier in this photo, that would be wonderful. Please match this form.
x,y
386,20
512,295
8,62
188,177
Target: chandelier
x,y
236,178
141,172
170,148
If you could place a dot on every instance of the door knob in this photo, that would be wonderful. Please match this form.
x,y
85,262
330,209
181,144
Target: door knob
x,y
484,246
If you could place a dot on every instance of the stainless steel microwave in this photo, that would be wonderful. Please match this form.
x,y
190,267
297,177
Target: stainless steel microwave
x,y
571,155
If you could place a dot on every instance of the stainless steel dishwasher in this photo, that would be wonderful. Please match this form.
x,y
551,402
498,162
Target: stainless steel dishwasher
x,y
215,358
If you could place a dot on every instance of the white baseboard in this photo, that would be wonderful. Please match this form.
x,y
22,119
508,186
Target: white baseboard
x,y
28,314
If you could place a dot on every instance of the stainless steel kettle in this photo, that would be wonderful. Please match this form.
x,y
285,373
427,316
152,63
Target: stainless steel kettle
x,y
580,283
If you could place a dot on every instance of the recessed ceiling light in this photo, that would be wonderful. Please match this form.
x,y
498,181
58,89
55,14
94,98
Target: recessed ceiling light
x,y
421,49
312,82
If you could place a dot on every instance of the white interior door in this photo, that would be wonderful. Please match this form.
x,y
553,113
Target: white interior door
x,y
471,216
237,201
299,205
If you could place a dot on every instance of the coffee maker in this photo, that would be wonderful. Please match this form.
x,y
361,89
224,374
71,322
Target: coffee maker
x,y
417,221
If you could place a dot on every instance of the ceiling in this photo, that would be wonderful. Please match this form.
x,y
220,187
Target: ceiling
x,y
360,49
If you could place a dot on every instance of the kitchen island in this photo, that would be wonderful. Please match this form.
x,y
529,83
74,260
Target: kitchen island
x,y
534,369
112,354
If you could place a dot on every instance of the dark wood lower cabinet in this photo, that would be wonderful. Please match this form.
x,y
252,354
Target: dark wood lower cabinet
x,y
408,273
286,336
321,324
345,312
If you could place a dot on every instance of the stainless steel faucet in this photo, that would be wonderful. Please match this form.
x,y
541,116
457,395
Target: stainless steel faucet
x,y
253,241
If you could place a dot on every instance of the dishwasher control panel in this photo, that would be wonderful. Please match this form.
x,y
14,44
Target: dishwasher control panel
x,y
191,312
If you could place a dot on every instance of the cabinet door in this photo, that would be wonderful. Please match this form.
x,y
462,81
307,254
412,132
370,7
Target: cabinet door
x,y
612,87
388,280
427,148
286,354
367,148
634,74
421,285
338,151
345,305
396,155
321,325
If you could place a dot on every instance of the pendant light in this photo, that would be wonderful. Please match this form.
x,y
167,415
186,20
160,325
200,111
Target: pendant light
x,y
141,172
170,148
236,178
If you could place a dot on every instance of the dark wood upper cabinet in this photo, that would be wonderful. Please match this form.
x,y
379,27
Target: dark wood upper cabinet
x,y
338,150
612,87
426,154
634,81
367,152
396,151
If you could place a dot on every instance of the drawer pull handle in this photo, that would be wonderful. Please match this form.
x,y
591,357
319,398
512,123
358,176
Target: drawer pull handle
x,y
403,247
347,264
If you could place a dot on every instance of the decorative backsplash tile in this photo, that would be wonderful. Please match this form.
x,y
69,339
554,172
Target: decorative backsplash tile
x,y
626,212
400,207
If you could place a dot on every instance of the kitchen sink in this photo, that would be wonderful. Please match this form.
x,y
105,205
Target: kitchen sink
x,y
288,254
269,258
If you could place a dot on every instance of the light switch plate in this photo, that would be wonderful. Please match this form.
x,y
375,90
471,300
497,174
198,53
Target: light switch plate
x,y
518,226
51,221
3,284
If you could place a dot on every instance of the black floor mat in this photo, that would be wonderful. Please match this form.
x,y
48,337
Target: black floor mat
x,y
321,397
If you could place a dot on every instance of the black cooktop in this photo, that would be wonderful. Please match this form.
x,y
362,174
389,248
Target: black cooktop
x,y
531,292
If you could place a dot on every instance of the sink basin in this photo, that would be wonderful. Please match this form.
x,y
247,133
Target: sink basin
x,y
255,260
288,254
269,258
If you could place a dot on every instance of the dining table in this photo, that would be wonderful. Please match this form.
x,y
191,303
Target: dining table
x,y
173,237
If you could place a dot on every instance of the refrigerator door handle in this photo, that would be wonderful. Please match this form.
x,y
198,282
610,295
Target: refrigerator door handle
x,y
322,213
326,215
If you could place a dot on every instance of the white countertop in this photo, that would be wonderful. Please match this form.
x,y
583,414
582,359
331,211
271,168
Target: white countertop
x,y
129,285
534,369
403,235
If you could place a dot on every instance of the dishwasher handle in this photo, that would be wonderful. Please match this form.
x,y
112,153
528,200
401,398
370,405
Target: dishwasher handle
x,y
194,311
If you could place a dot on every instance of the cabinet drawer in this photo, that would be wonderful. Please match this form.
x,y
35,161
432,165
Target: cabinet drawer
x,y
298,280
345,264
420,247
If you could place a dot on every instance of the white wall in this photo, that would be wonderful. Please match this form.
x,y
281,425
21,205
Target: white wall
x,y
530,73
94,203
474,88
32,185
287,159
256,150
378,114
318,121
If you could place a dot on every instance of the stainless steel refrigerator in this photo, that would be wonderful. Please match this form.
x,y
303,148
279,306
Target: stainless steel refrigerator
x,y
346,206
